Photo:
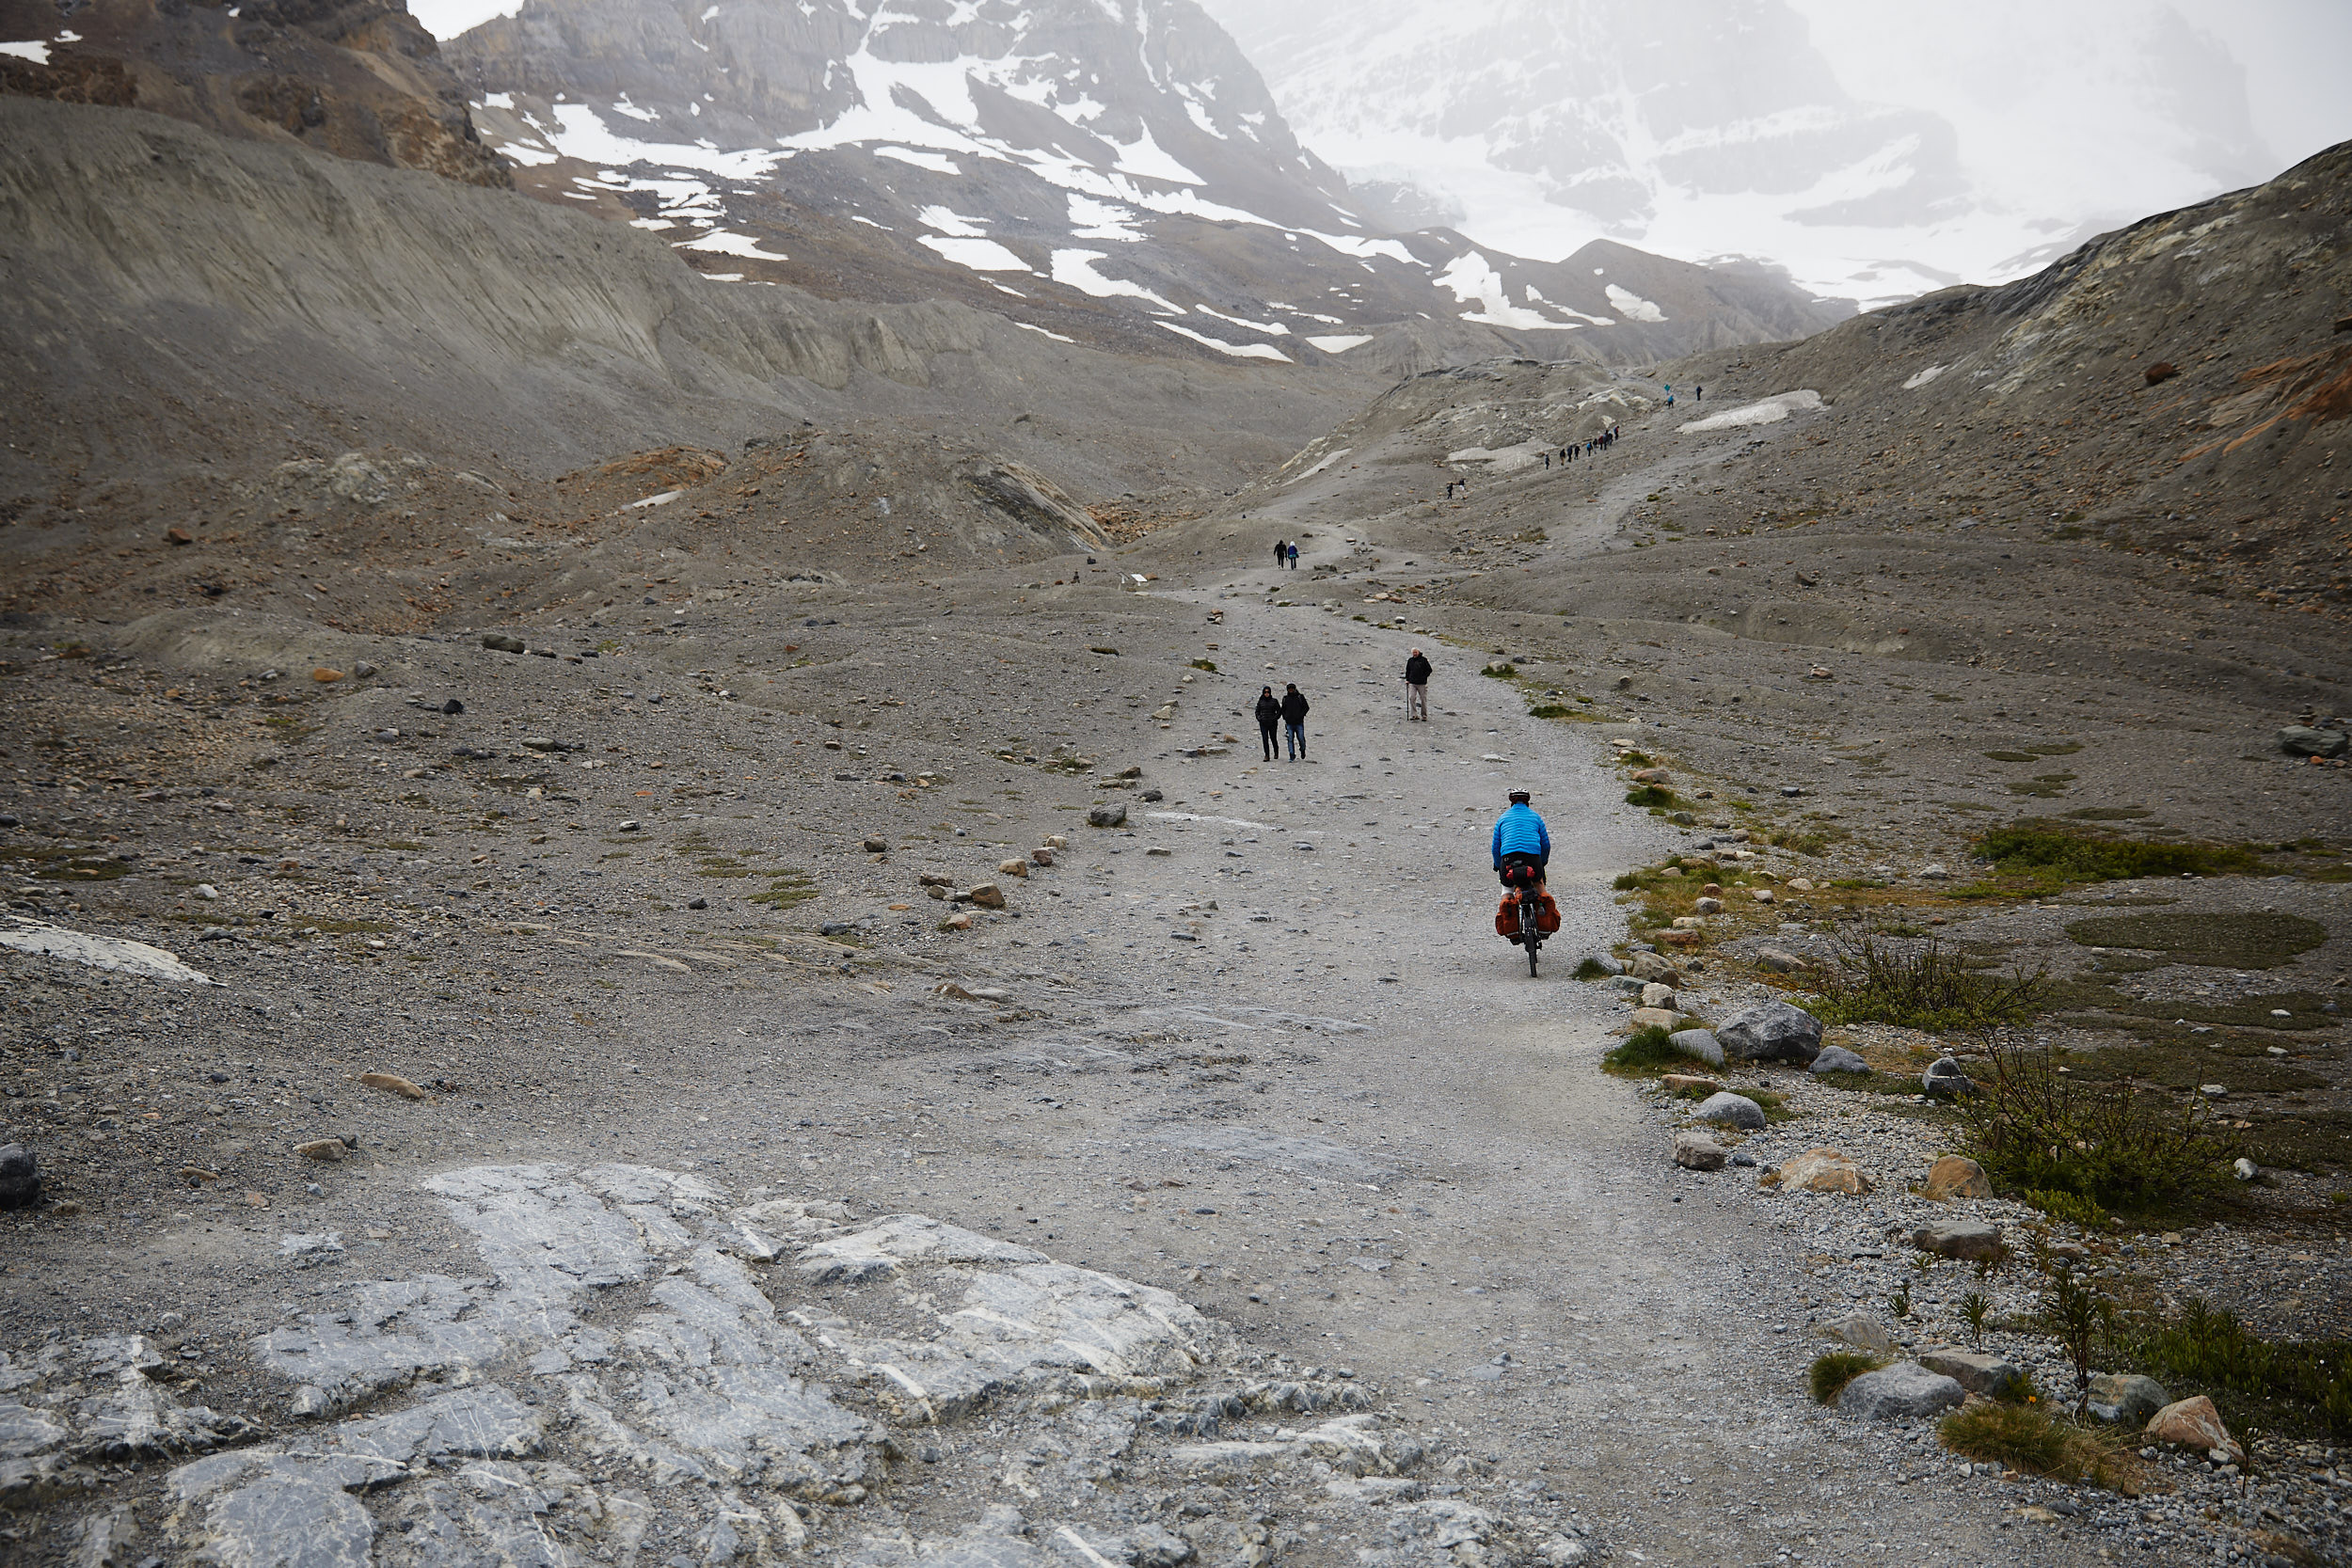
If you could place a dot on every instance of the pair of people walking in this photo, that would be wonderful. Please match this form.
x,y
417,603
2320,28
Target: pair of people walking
x,y
1286,554
1288,711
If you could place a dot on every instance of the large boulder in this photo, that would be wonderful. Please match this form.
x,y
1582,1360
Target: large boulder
x,y
1698,1044
1726,1109
2196,1424
2127,1399
1771,1032
1836,1059
1957,1176
1971,1240
1113,816
1905,1391
1818,1170
2301,740
1695,1151
1654,1018
1987,1375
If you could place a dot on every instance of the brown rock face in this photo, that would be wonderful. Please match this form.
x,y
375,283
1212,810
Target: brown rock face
x,y
1957,1176
1820,1170
2194,1423
356,78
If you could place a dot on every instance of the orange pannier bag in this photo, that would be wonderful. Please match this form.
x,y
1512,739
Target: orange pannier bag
x,y
1507,918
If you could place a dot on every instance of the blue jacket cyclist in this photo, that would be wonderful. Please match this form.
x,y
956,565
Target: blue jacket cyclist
x,y
1520,837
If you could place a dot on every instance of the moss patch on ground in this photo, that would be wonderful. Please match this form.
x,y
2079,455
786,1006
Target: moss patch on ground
x,y
2226,939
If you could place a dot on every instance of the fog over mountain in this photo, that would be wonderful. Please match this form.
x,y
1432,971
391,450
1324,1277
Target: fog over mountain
x,y
1875,154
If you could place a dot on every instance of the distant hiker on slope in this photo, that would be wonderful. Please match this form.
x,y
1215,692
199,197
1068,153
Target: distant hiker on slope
x,y
1293,548
1417,671
1282,548
1269,715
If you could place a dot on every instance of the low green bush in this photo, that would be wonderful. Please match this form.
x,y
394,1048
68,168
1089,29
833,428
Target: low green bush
x,y
2034,1129
1931,986
2071,854
1649,795
2297,1385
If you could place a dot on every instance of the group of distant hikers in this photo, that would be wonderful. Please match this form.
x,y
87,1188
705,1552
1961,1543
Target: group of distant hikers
x,y
1286,554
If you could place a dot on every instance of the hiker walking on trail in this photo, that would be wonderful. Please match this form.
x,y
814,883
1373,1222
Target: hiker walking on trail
x,y
1417,671
1293,552
1269,715
1282,548
1698,394
1294,719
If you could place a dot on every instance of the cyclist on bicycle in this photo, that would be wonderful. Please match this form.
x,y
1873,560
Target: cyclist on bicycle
x,y
1522,852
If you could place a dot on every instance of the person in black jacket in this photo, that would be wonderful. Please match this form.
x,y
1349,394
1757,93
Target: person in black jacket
x,y
1270,714
1294,719
1417,671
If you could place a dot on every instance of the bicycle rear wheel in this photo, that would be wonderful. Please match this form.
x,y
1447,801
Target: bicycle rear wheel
x,y
1531,934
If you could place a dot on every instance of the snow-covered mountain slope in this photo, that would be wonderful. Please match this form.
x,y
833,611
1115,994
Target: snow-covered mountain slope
x,y
1702,129
1107,171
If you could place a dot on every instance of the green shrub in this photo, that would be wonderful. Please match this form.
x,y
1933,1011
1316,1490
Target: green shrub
x,y
1591,969
1929,988
1208,664
1830,1374
2071,854
2026,1437
1649,795
2037,1130
2298,1384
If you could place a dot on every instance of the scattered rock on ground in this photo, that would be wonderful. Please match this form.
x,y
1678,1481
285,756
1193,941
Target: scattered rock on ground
x,y
1732,1110
1697,1044
1778,959
1862,1331
1653,1018
1836,1059
1957,1176
1695,1151
1971,1239
2127,1399
1905,1391
1114,816
391,1083
2194,1423
1820,1170
1770,1032
1656,995
988,895
1987,1375
1944,1077
20,1178
2302,740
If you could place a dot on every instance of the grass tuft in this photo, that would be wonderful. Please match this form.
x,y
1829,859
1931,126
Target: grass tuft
x,y
1591,969
1643,1054
1650,795
2027,1437
1830,1374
